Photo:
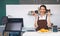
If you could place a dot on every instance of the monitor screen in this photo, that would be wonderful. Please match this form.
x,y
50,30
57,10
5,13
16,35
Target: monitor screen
x,y
14,25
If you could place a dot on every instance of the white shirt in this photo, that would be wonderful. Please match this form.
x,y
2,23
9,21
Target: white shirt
x,y
42,18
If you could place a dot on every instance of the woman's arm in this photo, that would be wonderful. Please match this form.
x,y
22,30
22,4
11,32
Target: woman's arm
x,y
48,20
35,22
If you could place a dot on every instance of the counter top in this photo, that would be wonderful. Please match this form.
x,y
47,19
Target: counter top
x,y
41,34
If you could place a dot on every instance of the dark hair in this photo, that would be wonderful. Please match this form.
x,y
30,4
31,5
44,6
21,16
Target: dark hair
x,y
43,6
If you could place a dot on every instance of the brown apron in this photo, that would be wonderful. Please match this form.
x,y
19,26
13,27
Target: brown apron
x,y
42,24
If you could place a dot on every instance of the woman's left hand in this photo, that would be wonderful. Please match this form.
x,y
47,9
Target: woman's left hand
x,y
49,25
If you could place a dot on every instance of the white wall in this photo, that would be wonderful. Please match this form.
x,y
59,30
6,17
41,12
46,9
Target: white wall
x,y
21,11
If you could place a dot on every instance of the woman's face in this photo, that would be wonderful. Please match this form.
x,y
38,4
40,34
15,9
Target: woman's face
x,y
42,10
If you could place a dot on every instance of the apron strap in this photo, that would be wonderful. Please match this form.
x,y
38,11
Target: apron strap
x,y
46,16
38,17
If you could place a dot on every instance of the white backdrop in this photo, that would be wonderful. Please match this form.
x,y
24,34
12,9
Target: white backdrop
x,y
21,11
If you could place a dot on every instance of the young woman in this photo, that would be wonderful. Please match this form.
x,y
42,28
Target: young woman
x,y
42,21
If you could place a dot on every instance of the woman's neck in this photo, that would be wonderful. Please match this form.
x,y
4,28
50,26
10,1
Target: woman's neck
x,y
42,14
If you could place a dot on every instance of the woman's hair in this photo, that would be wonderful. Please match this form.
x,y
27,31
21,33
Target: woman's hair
x,y
43,6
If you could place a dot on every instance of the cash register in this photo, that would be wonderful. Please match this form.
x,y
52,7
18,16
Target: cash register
x,y
14,26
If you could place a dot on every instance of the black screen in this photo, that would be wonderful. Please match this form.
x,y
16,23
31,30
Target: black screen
x,y
14,24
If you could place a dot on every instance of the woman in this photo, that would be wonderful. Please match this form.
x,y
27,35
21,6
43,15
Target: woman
x,y
42,21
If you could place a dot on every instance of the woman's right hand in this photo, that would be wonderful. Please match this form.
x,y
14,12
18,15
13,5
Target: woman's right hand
x,y
35,25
